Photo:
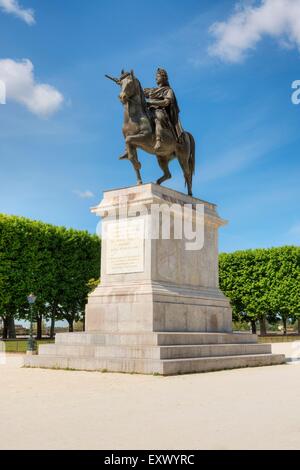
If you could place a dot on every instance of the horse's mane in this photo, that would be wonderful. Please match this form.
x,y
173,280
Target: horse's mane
x,y
144,103
143,98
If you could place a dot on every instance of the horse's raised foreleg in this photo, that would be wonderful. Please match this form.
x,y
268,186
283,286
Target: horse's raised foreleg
x,y
137,139
164,165
131,142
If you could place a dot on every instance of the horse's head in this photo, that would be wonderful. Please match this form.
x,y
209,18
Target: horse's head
x,y
129,86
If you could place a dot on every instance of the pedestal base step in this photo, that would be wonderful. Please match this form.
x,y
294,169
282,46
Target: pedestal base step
x,y
153,339
148,366
154,353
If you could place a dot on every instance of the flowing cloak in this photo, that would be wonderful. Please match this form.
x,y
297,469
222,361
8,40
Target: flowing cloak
x,y
166,95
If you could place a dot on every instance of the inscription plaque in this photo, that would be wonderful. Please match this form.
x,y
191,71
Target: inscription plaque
x,y
125,246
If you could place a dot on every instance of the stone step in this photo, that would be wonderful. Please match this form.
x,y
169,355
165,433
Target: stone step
x,y
67,350
189,366
180,351
169,339
154,339
152,366
154,352
102,339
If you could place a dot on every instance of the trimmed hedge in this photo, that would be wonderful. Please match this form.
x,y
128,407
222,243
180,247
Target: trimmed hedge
x,y
262,284
55,263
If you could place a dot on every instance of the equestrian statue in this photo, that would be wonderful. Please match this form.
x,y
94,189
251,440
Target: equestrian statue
x,y
152,123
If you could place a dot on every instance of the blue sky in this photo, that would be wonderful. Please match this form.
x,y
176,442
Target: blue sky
x,y
59,151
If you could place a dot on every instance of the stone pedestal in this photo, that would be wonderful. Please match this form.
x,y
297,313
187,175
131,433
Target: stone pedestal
x,y
155,284
158,308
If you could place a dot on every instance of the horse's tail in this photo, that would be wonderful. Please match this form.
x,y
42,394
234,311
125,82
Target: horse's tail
x,y
192,156
191,163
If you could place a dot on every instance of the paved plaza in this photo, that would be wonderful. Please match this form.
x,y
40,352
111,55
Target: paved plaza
x,y
253,408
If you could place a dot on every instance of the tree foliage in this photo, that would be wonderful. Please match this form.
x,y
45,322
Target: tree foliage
x,y
55,263
262,283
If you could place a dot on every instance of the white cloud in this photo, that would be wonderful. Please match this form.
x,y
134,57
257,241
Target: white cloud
x,y
21,86
278,19
13,7
84,194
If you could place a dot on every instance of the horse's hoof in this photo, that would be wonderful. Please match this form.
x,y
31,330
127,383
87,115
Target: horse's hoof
x,y
139,182
124,157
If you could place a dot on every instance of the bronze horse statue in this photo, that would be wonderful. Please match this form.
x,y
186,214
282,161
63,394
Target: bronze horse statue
x,y
139,132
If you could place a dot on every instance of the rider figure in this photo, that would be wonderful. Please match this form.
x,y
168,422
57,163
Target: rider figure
x,y
162,101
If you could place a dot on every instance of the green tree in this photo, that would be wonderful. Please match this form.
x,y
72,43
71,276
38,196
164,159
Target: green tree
x,y
53,262
13,282
79,263
262,284
243,280
284,292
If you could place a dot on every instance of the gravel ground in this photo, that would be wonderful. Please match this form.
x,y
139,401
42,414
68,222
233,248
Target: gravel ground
x,y
255,408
